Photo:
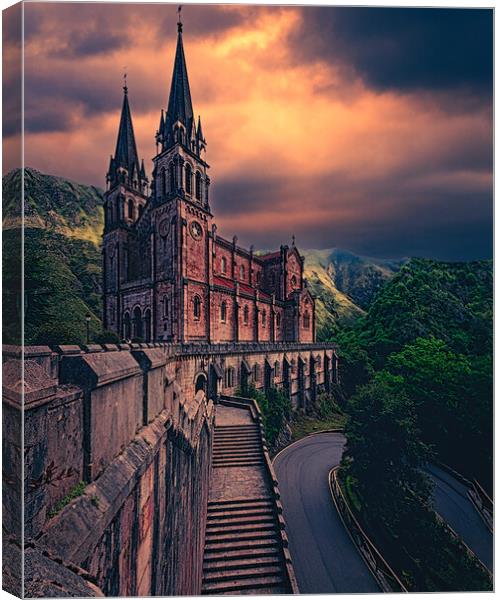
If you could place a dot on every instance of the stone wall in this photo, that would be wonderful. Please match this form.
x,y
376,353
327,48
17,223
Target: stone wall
x,y
134,424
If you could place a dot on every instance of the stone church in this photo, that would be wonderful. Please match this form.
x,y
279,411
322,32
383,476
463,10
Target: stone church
x,y
168,275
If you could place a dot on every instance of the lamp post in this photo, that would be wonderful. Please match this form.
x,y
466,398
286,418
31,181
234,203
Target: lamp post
x,y
87,318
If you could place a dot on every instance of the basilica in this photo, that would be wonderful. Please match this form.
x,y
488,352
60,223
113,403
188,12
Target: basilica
x,y
168,275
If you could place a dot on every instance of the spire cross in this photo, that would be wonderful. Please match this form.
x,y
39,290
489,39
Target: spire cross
x,y
179,21
125,88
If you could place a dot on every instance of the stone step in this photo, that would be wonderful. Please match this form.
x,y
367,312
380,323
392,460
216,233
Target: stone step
x,y
237,465
240,502
230,460
236,528
240,455
270,591
255,571
241,564
236,545
241,426
230,523
240,514
237,440
249,583
269,533
237,449
251,553
242,445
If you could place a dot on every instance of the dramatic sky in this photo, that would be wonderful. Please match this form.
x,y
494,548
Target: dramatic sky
x,y
361,128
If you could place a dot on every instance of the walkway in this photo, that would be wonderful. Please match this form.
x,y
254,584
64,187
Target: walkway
x,y
243,546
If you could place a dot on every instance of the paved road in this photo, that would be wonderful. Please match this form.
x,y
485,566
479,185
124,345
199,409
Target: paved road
x,y
324,556
452,503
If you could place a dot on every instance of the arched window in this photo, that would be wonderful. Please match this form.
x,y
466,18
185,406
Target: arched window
x,y
127,332
171,176
229,377
277,369
294,280
259,277
196,308
198,185
147,325
306,320
223,312
189,176
245,315
165,307
163,182
242,272
137,325
180,135
264,315
278,320
256,373
130,208
223,264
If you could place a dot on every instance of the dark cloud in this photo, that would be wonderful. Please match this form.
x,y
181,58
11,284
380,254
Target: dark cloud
x,y
403,48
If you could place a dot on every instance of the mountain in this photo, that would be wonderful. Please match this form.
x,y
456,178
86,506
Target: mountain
x,y
53,203
63,226
344,284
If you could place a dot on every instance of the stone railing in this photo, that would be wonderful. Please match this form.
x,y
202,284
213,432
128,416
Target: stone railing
x,y
383,573
273,480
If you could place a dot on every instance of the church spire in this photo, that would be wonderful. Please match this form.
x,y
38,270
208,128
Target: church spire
x,y
124,166
179,125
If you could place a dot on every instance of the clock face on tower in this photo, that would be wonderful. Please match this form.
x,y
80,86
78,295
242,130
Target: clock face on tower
x,y
196,230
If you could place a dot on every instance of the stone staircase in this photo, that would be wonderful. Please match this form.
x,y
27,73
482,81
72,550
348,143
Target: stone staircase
x,y
244,540
237,446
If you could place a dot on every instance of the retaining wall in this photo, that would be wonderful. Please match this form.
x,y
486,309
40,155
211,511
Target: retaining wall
x,y
134,423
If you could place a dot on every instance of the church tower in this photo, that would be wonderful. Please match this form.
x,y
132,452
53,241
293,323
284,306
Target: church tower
x,y
124,202
182,220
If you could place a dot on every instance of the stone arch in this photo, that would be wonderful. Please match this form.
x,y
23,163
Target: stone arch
x,y
200,382
197,307
189,178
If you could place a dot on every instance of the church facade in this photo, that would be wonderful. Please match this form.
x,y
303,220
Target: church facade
x,y
168,275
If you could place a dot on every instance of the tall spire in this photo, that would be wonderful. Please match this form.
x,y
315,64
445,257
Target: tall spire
x,y
180,107
126,157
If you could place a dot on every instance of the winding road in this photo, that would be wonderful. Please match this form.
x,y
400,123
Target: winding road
x,y
324,556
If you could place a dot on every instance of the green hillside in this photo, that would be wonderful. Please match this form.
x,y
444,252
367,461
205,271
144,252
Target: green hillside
x,y
64,222
344,285
53,203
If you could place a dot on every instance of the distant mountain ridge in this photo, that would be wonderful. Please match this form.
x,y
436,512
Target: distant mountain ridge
x,y
64,221
54,203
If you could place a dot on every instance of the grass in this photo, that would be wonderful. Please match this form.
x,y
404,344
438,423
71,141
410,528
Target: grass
x,y
75,492
303,426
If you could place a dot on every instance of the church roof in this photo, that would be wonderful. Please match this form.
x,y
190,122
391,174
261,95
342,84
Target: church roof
x,y
126,149
180,107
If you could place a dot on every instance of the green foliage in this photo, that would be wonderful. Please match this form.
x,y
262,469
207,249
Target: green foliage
x,y
75,492
384,481
61,285
275,408
383,453
432,325
107,337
